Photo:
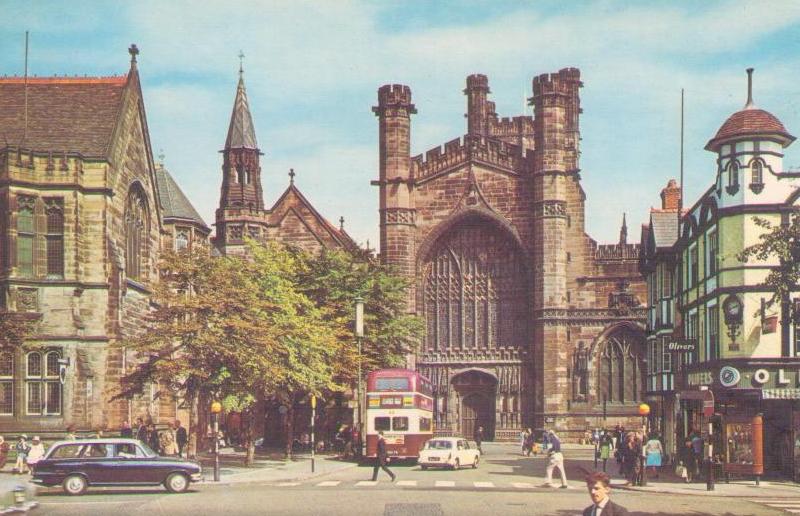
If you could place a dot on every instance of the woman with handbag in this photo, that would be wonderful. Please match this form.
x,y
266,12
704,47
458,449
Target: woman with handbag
x,y
653,453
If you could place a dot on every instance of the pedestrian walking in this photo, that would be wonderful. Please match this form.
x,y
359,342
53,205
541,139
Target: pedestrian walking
x,y
153,440
141,431
697,450
22,449
4,449
477,436
71,435
181,438
35,452
686,460
599,486
530,443
381,459
630,458
125,430
606,445
523,439
555,459
653,454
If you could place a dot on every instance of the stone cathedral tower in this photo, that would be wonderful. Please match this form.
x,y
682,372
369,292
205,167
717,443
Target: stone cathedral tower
x,y
529,321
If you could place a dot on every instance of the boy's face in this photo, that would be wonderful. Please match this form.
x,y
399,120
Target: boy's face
x,y
598,491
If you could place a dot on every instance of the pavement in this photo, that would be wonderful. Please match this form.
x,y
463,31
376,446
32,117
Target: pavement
x,y
272,467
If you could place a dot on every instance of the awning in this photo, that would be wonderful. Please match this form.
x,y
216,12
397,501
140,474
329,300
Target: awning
x,y
706,396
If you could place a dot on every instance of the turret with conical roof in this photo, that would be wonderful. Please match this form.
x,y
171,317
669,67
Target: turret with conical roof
x,y
241,180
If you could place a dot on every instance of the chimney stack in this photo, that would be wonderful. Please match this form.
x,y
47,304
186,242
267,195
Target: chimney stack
x,y
671,196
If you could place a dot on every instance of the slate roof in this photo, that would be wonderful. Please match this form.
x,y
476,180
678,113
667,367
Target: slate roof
x,y
241,133
65,114
749,121
174,203
664,226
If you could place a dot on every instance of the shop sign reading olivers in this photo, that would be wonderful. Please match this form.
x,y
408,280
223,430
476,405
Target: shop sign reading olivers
x,y
759,373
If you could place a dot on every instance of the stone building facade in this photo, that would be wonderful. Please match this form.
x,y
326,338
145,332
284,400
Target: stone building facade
x,y
530,322
292,220
82,222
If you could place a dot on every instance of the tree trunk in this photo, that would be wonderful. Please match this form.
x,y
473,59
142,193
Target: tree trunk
x,y
249,434
289,428
191,445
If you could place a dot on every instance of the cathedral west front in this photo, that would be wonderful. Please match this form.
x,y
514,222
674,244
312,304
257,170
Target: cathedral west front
x,y
530,323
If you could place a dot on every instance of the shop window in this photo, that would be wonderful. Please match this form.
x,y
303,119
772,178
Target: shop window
x,y
43,387
26,235
54,209
6,383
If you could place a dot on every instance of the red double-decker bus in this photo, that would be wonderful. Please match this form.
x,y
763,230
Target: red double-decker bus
x,y
400,404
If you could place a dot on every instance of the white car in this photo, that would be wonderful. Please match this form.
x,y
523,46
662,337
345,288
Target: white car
x,y
448,452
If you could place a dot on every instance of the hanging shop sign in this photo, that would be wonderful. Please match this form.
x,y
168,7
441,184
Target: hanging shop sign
x,y
747,376
682,345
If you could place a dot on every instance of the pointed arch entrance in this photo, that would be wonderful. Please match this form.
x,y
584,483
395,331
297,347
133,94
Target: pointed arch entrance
x,y
477,392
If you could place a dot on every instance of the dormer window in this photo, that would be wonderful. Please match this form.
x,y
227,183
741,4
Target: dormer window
x,y
757,176
733,178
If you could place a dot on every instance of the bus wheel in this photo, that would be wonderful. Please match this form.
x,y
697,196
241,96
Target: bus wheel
x,y
456,464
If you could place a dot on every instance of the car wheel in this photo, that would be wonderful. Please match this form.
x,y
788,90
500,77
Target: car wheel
x,y
424,467
75,485
176,483
456,464
475,462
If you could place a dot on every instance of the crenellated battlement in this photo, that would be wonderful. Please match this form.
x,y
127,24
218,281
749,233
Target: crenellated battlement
x,y
470,147
617,252
394,95
512,126
477,81
564,82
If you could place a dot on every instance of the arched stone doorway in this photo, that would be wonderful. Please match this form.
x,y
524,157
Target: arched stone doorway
x,y
477,391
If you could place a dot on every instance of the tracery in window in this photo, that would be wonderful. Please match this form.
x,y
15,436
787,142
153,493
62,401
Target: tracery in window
x,y
54,209
475,290
621,378
26,234
137,227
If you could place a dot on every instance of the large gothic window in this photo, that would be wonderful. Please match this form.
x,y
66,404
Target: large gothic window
x,y
475,290
136,231
621,371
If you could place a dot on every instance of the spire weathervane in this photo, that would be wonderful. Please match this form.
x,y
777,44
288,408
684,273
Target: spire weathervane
x,y
241,63
341,223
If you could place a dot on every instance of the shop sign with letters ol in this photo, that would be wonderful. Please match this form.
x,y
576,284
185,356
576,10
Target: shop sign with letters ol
x,y
681,345
729,376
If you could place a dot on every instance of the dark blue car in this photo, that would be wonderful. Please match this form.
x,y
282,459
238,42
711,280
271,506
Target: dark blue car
x,y
76,465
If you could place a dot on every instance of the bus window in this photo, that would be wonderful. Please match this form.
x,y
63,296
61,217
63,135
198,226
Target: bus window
x,y
382,423
424,424
391,384
399,423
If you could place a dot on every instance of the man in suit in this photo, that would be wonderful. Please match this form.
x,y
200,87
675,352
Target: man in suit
x,y
381,459
599,486
478,438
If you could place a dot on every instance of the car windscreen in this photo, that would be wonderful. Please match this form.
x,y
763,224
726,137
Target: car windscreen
x,y
438,445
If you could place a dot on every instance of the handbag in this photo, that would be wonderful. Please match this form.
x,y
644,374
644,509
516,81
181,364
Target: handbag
x,y
680,470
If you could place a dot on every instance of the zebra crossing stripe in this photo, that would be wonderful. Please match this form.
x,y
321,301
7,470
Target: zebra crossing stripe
x,y
329,483
406,482
367,483
287,484
522,485
445,483
483,484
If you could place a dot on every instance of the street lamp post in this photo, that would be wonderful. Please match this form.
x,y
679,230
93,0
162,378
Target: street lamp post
x,y
216,408
313,417
644,411
359,333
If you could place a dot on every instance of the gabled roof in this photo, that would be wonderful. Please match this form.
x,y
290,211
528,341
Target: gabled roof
x,y
241,133
65,114
664,227
174,203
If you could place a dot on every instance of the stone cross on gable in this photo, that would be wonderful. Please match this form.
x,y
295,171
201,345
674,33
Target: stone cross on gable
x,y
133,50
241,62
291,176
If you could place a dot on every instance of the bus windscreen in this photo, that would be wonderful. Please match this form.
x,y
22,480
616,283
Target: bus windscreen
x,y
391,384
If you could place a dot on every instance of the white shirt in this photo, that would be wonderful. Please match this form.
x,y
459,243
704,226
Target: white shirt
x,y
598,508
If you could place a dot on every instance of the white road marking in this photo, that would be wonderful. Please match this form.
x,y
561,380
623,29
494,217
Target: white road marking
x,y
522,485
329,483
776,504
445,483
287,484
483,484
93,502
406,482
367,483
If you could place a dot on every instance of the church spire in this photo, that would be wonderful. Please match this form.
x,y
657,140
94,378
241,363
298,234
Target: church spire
x,y
241,133
623,231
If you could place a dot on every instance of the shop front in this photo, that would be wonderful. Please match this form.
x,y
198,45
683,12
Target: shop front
x,y
752,412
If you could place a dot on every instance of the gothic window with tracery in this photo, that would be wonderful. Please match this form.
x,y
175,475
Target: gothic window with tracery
x,y
621,373
137,228
475,290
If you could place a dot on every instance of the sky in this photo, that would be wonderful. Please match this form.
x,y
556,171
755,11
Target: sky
x,y
312,70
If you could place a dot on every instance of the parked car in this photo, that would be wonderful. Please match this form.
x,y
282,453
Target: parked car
x,y
448,452
78,464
